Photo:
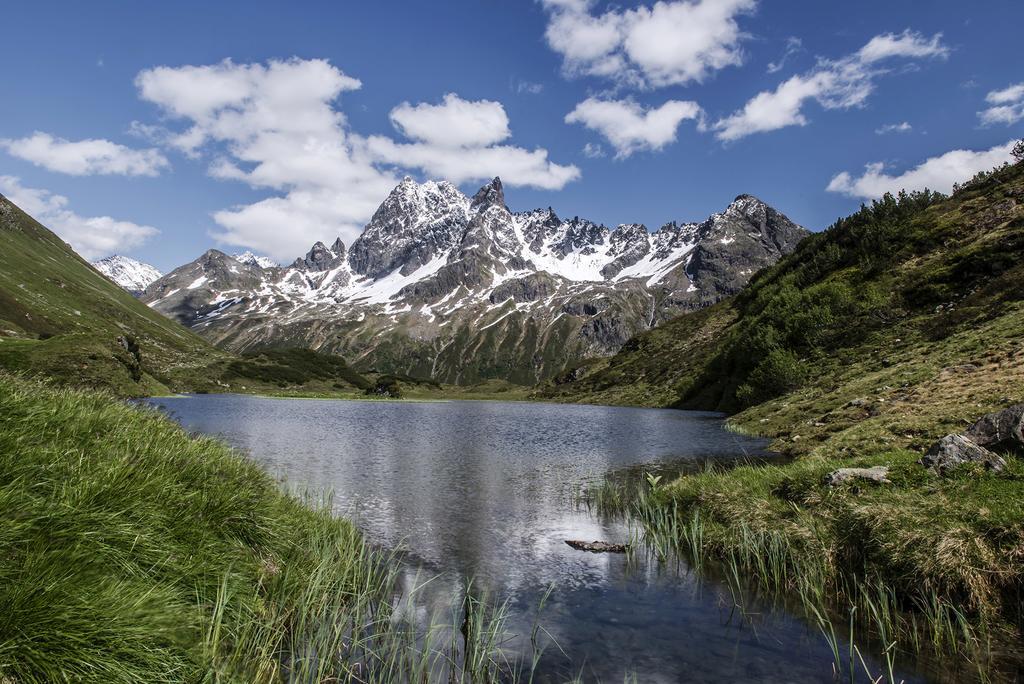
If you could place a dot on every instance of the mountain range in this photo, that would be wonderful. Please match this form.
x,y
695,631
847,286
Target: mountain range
x,y
462,289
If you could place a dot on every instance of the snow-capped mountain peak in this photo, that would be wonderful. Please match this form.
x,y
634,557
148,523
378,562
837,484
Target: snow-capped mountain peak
x,y
435,275
252,259
131,274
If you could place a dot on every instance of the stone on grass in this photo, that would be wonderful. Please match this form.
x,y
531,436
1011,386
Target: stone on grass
x,y
955,450
844,475
1001,429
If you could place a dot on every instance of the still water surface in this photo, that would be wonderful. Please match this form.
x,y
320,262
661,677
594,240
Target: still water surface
x,y
483,490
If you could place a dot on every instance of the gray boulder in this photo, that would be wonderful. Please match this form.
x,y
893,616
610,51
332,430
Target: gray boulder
x,y
955,450
999,430
843,475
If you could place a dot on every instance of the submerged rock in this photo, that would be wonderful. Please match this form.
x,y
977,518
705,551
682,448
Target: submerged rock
x,y
1001,429
596,546
955,450
844,475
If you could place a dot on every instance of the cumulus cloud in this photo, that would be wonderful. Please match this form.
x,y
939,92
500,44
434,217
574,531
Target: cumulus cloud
x,y
902,127
671,42
453,123
92,237
85,157
272,126
593,151
1007,106
937,173
279,126
628,127
459,140
519,166
834,84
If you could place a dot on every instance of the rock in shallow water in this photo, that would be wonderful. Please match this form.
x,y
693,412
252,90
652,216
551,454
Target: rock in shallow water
x,y
596,546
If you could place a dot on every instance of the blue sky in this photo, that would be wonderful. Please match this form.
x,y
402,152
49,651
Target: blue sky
x,y
123,127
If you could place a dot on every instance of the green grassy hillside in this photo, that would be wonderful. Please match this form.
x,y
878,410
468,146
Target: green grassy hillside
x,y
896,326
128,543
60,318
902,321
133,552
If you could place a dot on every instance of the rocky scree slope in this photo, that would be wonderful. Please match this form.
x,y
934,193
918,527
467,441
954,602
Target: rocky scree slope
x,y
462,289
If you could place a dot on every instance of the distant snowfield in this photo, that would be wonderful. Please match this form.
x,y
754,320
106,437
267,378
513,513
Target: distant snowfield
x,y
131,274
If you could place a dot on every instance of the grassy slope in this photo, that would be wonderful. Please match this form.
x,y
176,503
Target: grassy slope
x,y
59,317
916,312
122,536
889,330
652,369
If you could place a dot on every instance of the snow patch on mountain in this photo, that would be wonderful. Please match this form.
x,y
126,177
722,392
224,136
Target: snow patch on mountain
x,y
254,260
439,282
131,274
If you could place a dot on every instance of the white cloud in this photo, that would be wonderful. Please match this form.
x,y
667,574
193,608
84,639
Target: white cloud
x,y
902,127
453,123
628,127
1008,106
1008,95
593,151
85,157
515,165
273,126
92,237
907,44
672,42
834,84
458,140
793,46
937,173
527,88
278,126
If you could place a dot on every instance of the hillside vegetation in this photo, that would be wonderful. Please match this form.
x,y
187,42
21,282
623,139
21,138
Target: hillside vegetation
x,y
876,337
903,320
133,552
61,318
291,367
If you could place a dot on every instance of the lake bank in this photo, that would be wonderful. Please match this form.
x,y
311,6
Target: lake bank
x,y
133,493
482,492
135,552
926,566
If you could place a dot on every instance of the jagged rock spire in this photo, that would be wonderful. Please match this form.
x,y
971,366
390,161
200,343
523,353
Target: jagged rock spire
x,y
320,258
492,194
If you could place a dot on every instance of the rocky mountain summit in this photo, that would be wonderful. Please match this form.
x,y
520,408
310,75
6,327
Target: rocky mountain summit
x,y
129,273
463,289
254,260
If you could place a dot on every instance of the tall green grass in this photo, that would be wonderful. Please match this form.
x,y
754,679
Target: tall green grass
x,y
857,612
132,552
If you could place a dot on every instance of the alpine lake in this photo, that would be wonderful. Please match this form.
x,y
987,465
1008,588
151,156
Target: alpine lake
x,y
482,496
